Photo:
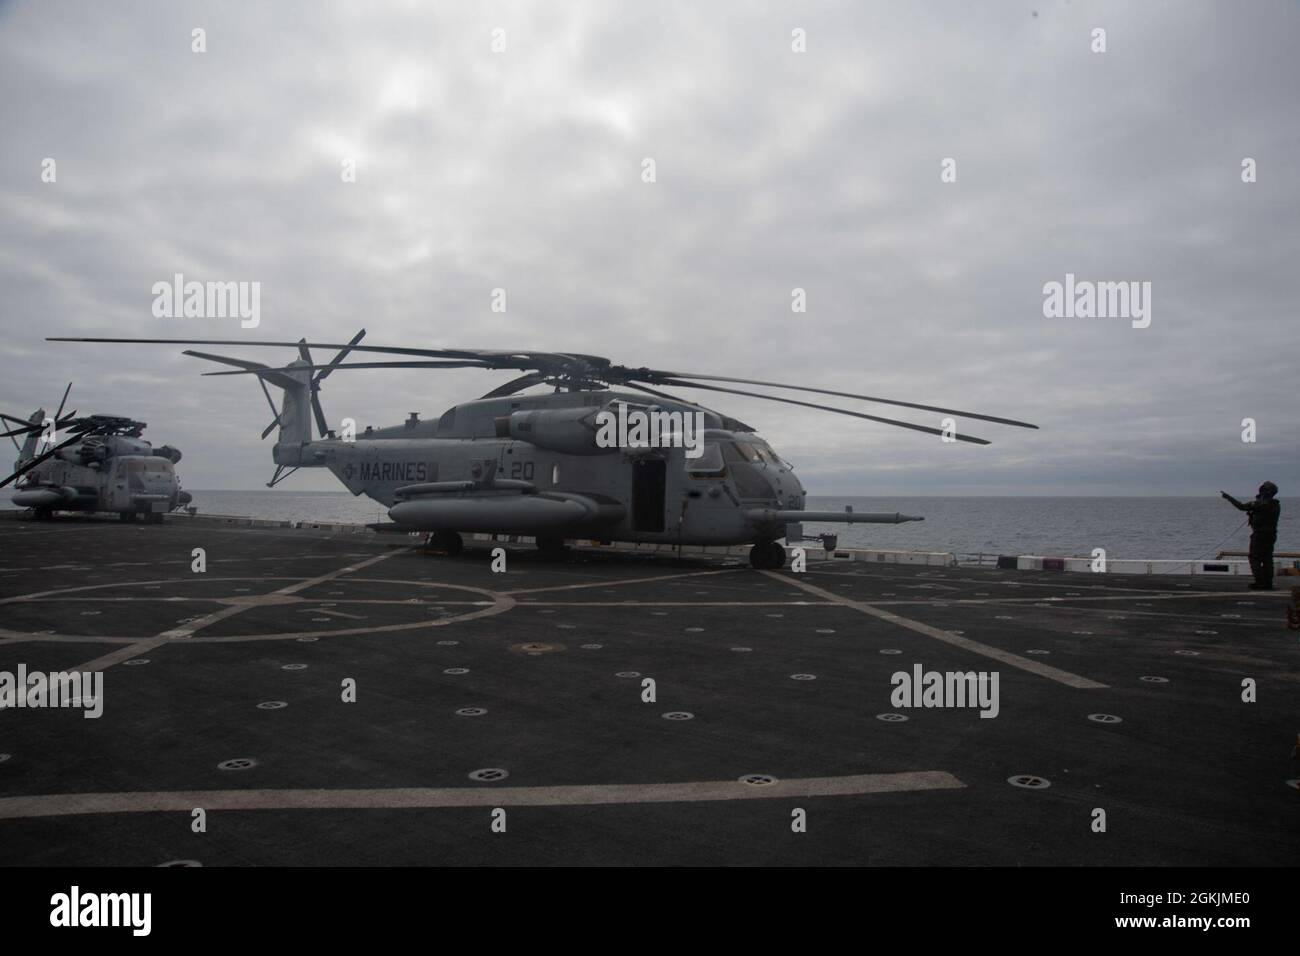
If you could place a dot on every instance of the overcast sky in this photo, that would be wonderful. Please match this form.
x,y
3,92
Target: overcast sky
x,y
775,170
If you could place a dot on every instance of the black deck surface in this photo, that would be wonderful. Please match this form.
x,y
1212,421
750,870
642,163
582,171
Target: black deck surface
x,y
1191,775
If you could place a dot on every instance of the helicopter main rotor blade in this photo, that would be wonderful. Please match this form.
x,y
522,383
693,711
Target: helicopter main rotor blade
x,y
275,412
10,435
261,369
24,429
28,427
322,427
272,375
342,354
830,408
63,401
558,366
655,373
521,359
683,401
663,395
515,385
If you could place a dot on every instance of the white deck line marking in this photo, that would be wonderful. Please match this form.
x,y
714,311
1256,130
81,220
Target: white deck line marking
x,y
14,637
34,595
402,798
1004,582
965,643
1068,601
28,531
122,654
486,608
139,600
187,630
674,603
614,584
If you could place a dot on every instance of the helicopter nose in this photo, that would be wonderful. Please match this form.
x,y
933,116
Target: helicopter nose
x,y
797,495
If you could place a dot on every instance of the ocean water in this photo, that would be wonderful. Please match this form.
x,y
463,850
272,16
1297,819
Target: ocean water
x,y
1183,528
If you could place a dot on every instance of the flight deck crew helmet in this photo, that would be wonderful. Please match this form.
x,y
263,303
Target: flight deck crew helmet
x,y
1268,489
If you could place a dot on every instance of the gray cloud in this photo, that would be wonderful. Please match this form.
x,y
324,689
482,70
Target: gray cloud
x,y
775,170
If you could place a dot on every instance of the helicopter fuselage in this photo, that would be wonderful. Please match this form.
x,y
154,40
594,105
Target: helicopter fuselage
x,y
109,473
545,465
471,472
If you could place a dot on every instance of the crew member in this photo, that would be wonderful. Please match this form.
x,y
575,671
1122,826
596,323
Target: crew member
x,y
1262,513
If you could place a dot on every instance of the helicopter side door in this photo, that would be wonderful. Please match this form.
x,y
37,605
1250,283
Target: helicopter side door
x,y
649,492
116,491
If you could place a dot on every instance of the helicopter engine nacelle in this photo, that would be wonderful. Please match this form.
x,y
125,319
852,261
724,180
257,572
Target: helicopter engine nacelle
x,y
167,451
571,431
124,445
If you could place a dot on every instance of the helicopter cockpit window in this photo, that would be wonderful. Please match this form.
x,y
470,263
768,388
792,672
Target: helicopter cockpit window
x,y
151,466
741,451
709,464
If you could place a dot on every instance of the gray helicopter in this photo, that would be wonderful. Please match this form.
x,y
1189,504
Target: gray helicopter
x,y
92,463
587,460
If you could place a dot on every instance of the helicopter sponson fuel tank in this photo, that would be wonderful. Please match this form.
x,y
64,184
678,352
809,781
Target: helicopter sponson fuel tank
x,y
503,503
48,498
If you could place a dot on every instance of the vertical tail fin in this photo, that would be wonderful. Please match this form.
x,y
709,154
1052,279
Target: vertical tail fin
x,y
41,431
28,450
294,417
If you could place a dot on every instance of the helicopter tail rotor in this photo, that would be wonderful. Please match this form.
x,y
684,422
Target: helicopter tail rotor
x,y
322,372
300,405
293,379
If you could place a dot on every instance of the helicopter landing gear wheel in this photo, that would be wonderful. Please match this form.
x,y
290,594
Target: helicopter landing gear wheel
x,y
126,515
552,547
44,514
767,556
154,517
448,542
